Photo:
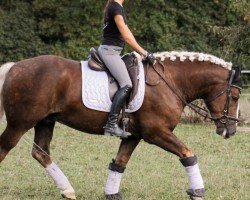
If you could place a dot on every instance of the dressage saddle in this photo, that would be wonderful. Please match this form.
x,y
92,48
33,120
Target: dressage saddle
x,y
95,63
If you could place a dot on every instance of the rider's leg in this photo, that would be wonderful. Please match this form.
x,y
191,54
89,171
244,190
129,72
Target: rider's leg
x,y
111,57
111,127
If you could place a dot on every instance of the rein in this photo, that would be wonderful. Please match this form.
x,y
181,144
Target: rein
x,y
223,119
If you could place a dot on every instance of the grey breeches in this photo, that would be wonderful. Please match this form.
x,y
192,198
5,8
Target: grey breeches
x,y
112,59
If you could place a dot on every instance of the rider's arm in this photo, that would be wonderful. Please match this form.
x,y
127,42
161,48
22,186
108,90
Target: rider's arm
x,y
128,36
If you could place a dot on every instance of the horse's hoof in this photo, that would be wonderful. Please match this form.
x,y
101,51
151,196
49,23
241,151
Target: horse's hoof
x,y
68,194
197,194
196,198
117,196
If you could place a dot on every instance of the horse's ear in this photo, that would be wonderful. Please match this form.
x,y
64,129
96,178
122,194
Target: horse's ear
x,y
237,77
238,70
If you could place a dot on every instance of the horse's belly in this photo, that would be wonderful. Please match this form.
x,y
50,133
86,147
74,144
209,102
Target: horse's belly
x,y
85,120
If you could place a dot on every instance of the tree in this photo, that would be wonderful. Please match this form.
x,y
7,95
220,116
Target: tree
x,y
69,28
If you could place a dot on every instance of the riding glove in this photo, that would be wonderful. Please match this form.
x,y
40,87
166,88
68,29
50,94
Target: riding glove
x,y
150,58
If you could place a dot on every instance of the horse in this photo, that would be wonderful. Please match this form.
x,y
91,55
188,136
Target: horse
x,y
40,91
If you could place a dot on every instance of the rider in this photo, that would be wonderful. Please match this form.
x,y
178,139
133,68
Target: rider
x,y
115,34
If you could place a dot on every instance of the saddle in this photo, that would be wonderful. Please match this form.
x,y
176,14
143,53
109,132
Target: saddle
x,y
95,63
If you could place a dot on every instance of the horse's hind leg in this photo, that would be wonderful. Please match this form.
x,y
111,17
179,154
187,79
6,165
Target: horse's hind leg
x,y
117,168
43,136
9,139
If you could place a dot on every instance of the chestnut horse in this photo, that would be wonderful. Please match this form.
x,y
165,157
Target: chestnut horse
x,y
41,91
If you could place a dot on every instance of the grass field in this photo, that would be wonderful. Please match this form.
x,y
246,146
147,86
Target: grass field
x,y
152,174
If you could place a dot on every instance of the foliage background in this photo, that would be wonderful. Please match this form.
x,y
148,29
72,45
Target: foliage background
x,y
69,28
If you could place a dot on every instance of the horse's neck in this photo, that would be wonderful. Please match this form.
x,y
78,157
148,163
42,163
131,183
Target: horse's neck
x,y
197,81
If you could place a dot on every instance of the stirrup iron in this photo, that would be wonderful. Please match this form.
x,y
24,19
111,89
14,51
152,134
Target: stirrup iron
x,y
116,131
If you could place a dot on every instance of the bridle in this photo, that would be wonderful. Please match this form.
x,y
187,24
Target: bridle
x,y
224,118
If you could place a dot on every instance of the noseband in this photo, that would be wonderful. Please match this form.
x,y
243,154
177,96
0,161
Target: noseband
x,y
224,118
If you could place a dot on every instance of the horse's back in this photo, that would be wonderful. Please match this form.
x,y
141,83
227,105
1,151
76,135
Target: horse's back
x,y
46,61
42,71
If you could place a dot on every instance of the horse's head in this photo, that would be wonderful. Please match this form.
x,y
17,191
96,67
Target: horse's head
x,y
224,105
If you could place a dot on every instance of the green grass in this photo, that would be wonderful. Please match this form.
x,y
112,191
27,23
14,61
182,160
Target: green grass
x,y
245,96
152,174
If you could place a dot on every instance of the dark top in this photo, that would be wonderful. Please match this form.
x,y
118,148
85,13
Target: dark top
x,y
111,33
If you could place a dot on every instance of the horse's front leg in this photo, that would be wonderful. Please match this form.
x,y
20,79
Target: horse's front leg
x,y
117,167
165,139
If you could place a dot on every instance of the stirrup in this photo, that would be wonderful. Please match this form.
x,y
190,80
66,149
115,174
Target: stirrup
x,y
116,131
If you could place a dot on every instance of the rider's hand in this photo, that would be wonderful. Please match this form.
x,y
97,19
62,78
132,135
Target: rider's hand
x,y
149,57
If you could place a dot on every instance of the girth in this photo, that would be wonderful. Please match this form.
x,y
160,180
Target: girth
x,y
95,63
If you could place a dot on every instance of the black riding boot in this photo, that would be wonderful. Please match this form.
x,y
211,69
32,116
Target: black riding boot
x,y
119,100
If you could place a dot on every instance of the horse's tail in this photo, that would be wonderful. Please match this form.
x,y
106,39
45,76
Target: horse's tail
x,y
4,69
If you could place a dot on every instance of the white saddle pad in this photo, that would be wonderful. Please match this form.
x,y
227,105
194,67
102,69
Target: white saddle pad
x,y
95,90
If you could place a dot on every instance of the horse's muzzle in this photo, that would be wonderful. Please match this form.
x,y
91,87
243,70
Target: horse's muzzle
x,y
226,130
